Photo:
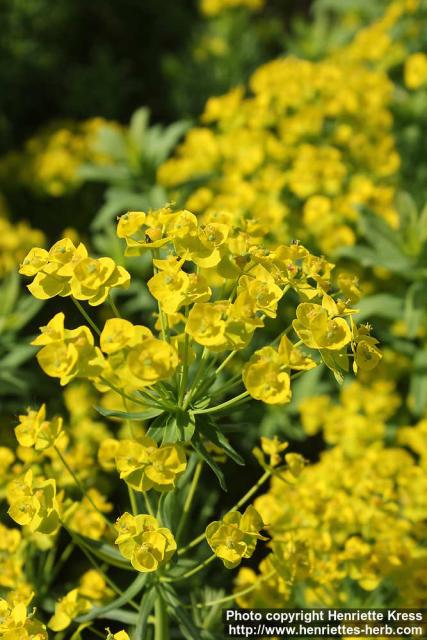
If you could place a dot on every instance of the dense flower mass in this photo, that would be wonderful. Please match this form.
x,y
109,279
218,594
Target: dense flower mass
x,y
302,149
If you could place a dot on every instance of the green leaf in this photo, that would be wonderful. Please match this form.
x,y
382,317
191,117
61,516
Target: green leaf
x,y
415,307
186,424
212,432
117,201
129,415
198,446
337,362
147,604
77,635
170,432
138,127
418,384
381,305
169,508
103,551
21,353
9,292
186,623
128,595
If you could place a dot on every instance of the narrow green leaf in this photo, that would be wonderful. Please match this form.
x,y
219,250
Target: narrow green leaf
x,y
103,551
147,604
128,595
213,433
198,446
129,415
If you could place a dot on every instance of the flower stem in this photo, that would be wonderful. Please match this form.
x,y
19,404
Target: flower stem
x,y
113,307
82,488
243,592
248,495
148,504
188,501
192,572
225,405
161,626
86,316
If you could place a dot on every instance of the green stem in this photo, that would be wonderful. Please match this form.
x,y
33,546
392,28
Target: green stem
x,y
148,504
184,378
161,625
248,495
82,489
132,500
225,405
86,316
188,501
225,362
243,592
113,307
193,572
98,567
121,393
197,377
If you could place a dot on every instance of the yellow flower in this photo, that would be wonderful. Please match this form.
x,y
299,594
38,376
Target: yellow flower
x,y
151,361
273,448
68,353
293,357
33,503
367,355
319,331
144,466
235,536
415,71
118,334
221,325
66,270
92,279
17,624
94,587
34,431
174,289
143,542
71,606
265,378
107,454
261,290
143,231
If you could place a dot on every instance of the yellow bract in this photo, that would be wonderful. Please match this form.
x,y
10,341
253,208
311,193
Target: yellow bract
x,y
143,542
318,330
144,466
33,503
235,536
66,270
17,624
35,431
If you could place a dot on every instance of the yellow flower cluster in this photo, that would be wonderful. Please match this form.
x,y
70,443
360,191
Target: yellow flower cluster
x,y
50,162
33,503
235,536
142,541
16,622
355,518
296,155
214,7
187,255
66,270
144,466
92,590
